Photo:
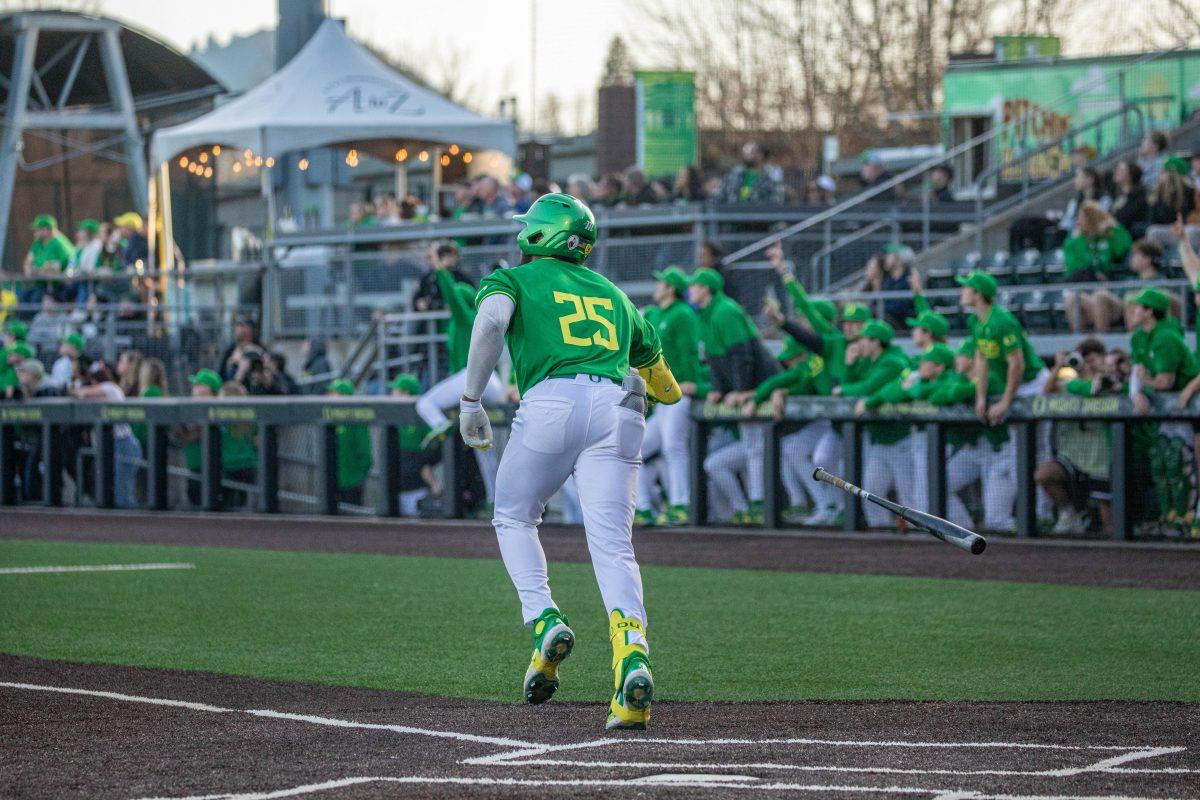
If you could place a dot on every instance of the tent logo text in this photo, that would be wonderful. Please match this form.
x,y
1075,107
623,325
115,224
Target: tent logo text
x,y
363,94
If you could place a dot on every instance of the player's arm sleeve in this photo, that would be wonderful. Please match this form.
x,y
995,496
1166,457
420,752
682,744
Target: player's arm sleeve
x,y
780,380
892,392
920,303
644,347
800,297
1079,387
741,359
804,337
487,340
452,296
879,376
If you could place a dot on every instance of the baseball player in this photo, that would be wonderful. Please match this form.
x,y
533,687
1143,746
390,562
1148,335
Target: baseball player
x,y
459,299
573,337
928,328
887,458
668,429
1005,364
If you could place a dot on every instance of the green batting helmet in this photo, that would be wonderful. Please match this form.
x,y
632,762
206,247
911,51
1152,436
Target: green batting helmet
x,y
559,226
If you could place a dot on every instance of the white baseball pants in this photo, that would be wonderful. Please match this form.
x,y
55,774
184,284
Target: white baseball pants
x,y
798,460
446,394
568,426
886,466
997,471
744,456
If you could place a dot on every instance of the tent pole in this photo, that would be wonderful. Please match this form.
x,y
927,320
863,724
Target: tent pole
x,y
268,193
435,200
170,284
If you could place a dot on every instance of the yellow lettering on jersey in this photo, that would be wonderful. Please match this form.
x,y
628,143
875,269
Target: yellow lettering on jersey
x,y
591,304
587,308
567,320
988,348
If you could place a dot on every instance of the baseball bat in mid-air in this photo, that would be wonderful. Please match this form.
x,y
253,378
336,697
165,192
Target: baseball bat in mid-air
x,y
943,529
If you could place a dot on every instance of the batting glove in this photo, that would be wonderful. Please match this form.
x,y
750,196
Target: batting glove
x,y
474,425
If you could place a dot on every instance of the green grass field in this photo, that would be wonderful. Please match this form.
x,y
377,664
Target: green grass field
x,y
451,627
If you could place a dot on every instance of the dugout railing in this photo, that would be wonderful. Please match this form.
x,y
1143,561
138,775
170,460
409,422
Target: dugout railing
x,y
53,417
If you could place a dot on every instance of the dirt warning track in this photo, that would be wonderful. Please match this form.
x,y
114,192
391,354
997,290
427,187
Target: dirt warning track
x,y
1161,566
100,731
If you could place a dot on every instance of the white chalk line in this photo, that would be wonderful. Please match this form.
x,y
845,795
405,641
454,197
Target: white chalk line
x,y
699,783
93,568
326,721
518,749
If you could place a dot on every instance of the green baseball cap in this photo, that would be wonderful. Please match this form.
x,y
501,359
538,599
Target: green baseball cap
x,y
207,377
931,321
856,312
406,383
73,339
90,225
825,308
978,280
44,221
939,354
341,386
791,349
904,251
20,349
676,278
1151,297
878,330
705,276
18,330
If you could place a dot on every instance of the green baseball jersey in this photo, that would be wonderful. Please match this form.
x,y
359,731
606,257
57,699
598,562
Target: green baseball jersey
x,y
995,338
724,323
57,249
459,298
570,321
353,455
237,449
890,365
953,388
1098,254
798,379
678,330
1165,350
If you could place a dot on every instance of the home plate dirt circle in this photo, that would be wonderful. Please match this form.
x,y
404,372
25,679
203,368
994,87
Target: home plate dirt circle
x,y
79,730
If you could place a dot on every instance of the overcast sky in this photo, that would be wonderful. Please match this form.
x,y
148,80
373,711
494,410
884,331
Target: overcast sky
x,y
492,36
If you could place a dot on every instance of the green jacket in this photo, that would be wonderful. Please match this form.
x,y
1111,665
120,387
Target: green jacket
x,y
890,365
238,450
679,333
459,298
724,323
353,455
1099,254
797,379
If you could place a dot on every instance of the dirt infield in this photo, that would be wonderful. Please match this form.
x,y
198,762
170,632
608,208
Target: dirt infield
x,y
1076,563
127,733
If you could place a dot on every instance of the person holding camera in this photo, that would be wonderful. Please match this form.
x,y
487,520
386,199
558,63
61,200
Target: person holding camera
x,y
1078,472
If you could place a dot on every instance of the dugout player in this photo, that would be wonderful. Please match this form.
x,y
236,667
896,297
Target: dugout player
x,y
668,429
573,337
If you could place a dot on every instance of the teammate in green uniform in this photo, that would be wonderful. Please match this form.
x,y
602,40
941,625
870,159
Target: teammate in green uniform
x,y
1163,363
573,336
886,457
668,429
353,451
418,455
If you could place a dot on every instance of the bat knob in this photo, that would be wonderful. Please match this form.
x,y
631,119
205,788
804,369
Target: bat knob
x,y
978,545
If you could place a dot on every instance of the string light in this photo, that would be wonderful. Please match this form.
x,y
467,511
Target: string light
x,y
208,172
302,164
203,158
237,166
467,158
453,149
247,154
216,149
270,161
183,161
191,168
445,161
352,158
495,161
423,155
401,154
258,161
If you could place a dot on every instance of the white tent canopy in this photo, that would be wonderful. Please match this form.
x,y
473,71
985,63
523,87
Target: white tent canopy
x,y
333,91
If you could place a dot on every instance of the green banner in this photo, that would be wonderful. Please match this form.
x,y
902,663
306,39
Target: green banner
x,y
666,121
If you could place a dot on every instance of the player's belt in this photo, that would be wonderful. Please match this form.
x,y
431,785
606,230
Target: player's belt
x,y
570,376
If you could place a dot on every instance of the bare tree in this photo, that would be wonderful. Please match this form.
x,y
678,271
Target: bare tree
x,y
618,64
550,115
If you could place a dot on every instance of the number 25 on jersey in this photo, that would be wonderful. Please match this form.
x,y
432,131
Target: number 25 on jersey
x,y
587,308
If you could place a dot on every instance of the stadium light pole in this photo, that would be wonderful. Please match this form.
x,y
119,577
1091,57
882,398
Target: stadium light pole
x,y
532,65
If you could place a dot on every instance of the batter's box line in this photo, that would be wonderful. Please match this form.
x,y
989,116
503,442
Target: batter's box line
x,y
534,756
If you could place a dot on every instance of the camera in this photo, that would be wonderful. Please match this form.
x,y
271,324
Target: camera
x,y
1074,360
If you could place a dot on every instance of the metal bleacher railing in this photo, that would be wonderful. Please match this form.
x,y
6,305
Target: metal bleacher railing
x,y
312,483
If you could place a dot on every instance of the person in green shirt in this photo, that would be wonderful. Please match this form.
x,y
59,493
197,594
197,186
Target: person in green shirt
x,y
458,298
239,455
15,331
574,337
739,364
50,254
886,456
1164,363
353,451
1098,243
418,456
668,428
13,356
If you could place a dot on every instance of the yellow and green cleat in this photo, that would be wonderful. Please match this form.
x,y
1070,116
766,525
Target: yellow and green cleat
x,y
553,640
675,516
633,683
